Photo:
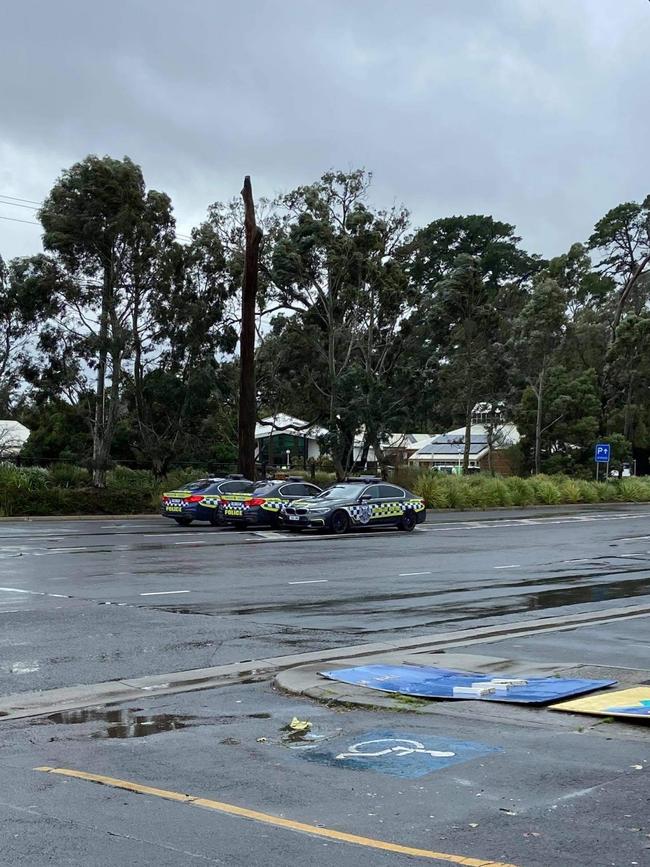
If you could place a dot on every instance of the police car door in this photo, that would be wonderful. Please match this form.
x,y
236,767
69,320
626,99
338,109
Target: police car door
x,y
366,512
389,506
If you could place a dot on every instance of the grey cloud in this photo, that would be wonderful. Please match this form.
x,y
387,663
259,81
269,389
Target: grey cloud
x,y
532,111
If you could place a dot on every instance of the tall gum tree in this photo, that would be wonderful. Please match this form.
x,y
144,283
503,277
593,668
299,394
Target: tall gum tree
x,y
92,221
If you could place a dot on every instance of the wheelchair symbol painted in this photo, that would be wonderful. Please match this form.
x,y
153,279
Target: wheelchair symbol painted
x,y
386,746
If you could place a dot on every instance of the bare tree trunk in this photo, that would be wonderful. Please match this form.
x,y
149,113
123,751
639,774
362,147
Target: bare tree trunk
x,y
99,461
247,396
538,424
627,414
469,406
626,291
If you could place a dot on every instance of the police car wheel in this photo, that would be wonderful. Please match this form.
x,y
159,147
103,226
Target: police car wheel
x,y
408,521
184,522
216,520
339,522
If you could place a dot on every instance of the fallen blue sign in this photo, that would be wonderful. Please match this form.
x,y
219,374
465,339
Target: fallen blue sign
x,y
402,754
429,682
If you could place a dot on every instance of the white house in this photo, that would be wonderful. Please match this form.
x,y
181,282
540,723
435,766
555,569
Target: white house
x,y
399,447
445,451
280,434
13,436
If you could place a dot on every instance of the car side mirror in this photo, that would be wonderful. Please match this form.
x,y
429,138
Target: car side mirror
x,y
364,498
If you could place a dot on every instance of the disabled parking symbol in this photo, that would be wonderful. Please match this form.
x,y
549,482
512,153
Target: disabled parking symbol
x,y
397,746
400,754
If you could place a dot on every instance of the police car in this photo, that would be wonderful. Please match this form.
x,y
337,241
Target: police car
x,y
264,505
355,503
200,500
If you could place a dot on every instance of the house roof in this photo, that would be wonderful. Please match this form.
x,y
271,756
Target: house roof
x,y
451,445
13,436
287,424
406,440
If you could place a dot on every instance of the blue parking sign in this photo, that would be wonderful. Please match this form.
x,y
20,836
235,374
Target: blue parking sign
x,y
602,453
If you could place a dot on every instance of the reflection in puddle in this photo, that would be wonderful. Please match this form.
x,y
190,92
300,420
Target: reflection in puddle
x,y
135,723
128,723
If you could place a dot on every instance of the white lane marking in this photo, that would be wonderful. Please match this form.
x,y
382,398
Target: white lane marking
x,y
164,592
35,593
190,542
508,523
407,574
271,535
512,566
314,581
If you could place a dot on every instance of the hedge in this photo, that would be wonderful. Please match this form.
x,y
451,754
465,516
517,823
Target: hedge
x,y
66,490
441,491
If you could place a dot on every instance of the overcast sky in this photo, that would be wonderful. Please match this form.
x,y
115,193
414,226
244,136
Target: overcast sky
x,y
534,111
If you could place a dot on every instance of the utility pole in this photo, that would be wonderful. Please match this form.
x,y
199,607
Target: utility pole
x,y
247,393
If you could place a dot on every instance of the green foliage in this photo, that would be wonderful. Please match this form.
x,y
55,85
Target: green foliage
x,y
68,476
484,492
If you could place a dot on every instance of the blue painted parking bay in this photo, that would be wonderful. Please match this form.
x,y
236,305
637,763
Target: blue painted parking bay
x,y
401,754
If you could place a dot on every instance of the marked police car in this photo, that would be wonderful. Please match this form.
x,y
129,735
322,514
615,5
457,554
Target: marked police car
x,y
264,505
355,503
200,500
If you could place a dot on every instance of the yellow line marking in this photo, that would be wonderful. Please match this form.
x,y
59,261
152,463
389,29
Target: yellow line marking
x,y
268,819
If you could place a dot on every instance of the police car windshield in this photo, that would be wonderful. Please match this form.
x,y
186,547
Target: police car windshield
x,y
343,492
197,484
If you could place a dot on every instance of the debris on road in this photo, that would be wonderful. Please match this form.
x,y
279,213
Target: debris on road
x,y
298,725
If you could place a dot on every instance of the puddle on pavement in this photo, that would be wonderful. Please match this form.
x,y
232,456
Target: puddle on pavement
x,y
130,723
135,723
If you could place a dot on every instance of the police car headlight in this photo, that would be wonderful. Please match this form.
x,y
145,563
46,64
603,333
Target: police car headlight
x,y
318,511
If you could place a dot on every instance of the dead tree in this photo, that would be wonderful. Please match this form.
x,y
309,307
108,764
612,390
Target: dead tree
x,y
247,396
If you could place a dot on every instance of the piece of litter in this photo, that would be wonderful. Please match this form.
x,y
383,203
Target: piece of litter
x,y
477,691
473,824
299,725
507,812
262,740
637,767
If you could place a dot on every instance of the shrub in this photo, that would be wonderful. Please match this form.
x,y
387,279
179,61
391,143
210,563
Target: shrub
x,y
520,491
69,476
545,490
79,501
634,490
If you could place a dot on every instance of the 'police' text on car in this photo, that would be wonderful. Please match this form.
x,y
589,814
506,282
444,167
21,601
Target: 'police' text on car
x,y
263,506
201,500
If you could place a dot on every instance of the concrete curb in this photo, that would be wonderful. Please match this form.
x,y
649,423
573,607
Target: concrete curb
x,y
305,682
29,704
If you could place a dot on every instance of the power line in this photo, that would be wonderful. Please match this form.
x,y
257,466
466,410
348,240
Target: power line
x,y
18,199
17,205
181,236
14,220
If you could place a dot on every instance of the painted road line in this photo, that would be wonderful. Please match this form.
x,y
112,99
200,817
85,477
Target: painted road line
x,y
277,821
408,574
512,566
164,592
190,542
313,581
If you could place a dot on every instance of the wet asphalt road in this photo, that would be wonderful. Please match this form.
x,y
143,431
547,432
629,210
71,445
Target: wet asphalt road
x,y
88,601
